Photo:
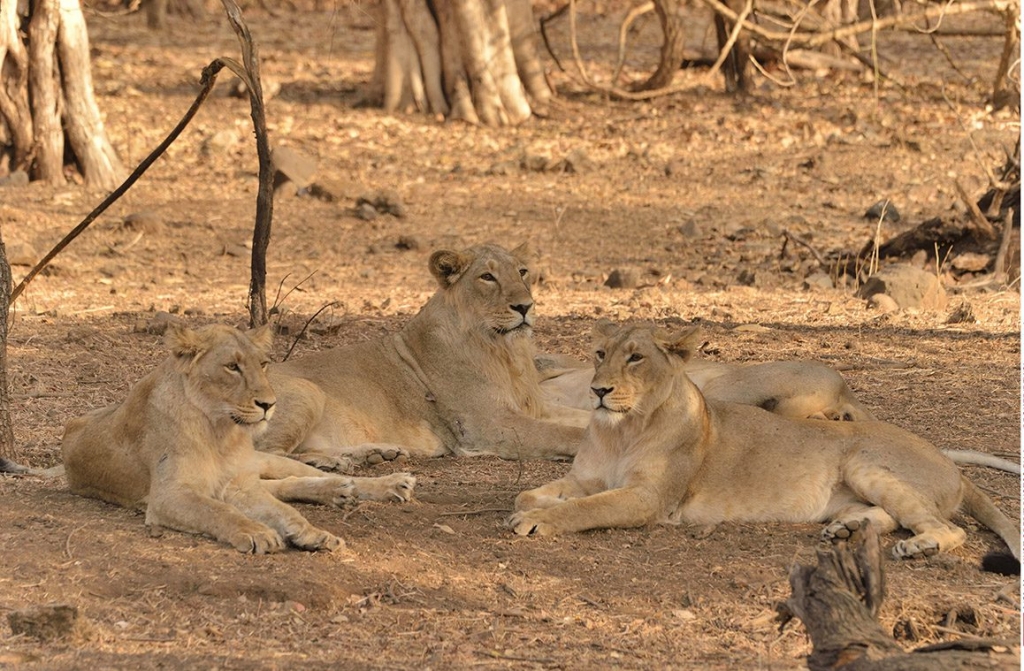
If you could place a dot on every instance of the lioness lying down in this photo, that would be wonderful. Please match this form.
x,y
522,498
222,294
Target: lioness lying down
x,y
458,379
181,445
657,450
794,389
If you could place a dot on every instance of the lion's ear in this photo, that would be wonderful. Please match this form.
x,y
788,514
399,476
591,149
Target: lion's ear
x,y
262,337
183,342
604,328
682,343
446,266
524,253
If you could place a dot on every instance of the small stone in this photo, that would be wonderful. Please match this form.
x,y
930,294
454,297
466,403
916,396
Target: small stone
x,y
366,211
219,142
818,280
535,162
623,278
577,161
408,243
21,254
690,229
145,221
503,168
884,210
908,286
882,303
970,262
18,178
293,165
237,250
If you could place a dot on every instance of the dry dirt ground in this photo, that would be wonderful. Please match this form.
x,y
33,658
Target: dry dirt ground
x,y
693,191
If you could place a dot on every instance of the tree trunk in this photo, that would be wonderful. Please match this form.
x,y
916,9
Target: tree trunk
x,y
474,60
670,15
6,428
46,95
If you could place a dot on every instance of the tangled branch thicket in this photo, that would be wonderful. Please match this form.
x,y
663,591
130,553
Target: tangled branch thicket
x,y
787,25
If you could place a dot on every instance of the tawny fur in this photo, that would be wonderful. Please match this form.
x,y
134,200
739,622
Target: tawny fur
x,y
458,379
181,446
657,450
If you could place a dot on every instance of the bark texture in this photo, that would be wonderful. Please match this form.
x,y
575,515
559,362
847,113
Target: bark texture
x,y
47,100
6,427
838,601
474,60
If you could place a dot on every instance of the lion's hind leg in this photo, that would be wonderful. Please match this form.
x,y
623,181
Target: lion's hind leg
x,y
909,506
853,517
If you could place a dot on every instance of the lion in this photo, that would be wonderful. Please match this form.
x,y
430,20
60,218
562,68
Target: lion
x,y
458,379
795,389
181,446
658,451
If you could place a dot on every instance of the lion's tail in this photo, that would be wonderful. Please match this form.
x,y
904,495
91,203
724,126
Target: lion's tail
x,y
978,505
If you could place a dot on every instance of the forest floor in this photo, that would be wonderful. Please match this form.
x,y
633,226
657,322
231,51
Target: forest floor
x,y
695,192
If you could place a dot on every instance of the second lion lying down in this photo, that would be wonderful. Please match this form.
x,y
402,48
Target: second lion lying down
x,y
181,446
657,450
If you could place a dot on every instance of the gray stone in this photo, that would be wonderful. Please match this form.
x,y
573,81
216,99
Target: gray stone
x,y
884,209
623,278
818,280
146,221
908,286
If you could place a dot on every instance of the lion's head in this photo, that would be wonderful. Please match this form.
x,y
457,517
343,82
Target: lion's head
x,y
225,372
488,287
635,367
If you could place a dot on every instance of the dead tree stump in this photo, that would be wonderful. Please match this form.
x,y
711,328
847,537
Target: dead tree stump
x,y
838,601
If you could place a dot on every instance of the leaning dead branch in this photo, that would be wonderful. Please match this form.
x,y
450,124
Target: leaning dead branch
x,y
249,74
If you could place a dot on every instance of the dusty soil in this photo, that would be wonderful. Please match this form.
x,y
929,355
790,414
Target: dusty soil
x,y
693,191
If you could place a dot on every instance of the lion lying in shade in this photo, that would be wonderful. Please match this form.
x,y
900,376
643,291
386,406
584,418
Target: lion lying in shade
x,y
181,446
657,450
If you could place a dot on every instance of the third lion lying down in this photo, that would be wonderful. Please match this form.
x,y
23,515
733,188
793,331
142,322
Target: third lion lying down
x,y
657,451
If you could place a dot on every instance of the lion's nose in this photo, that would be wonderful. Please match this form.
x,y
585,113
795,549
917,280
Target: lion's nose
x,y
601,392
522,308
266,405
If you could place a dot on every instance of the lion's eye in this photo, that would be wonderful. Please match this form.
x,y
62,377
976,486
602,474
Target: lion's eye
x,y
522,272
599,355
636,356
234,367
487,277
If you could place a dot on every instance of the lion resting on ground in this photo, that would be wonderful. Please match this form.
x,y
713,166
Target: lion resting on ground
x,y
657,451
181,444
458,379
794,389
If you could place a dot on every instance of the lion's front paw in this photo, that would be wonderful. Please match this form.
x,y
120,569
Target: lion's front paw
x,y
531,523
917,546
311,538
394,487
257,539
